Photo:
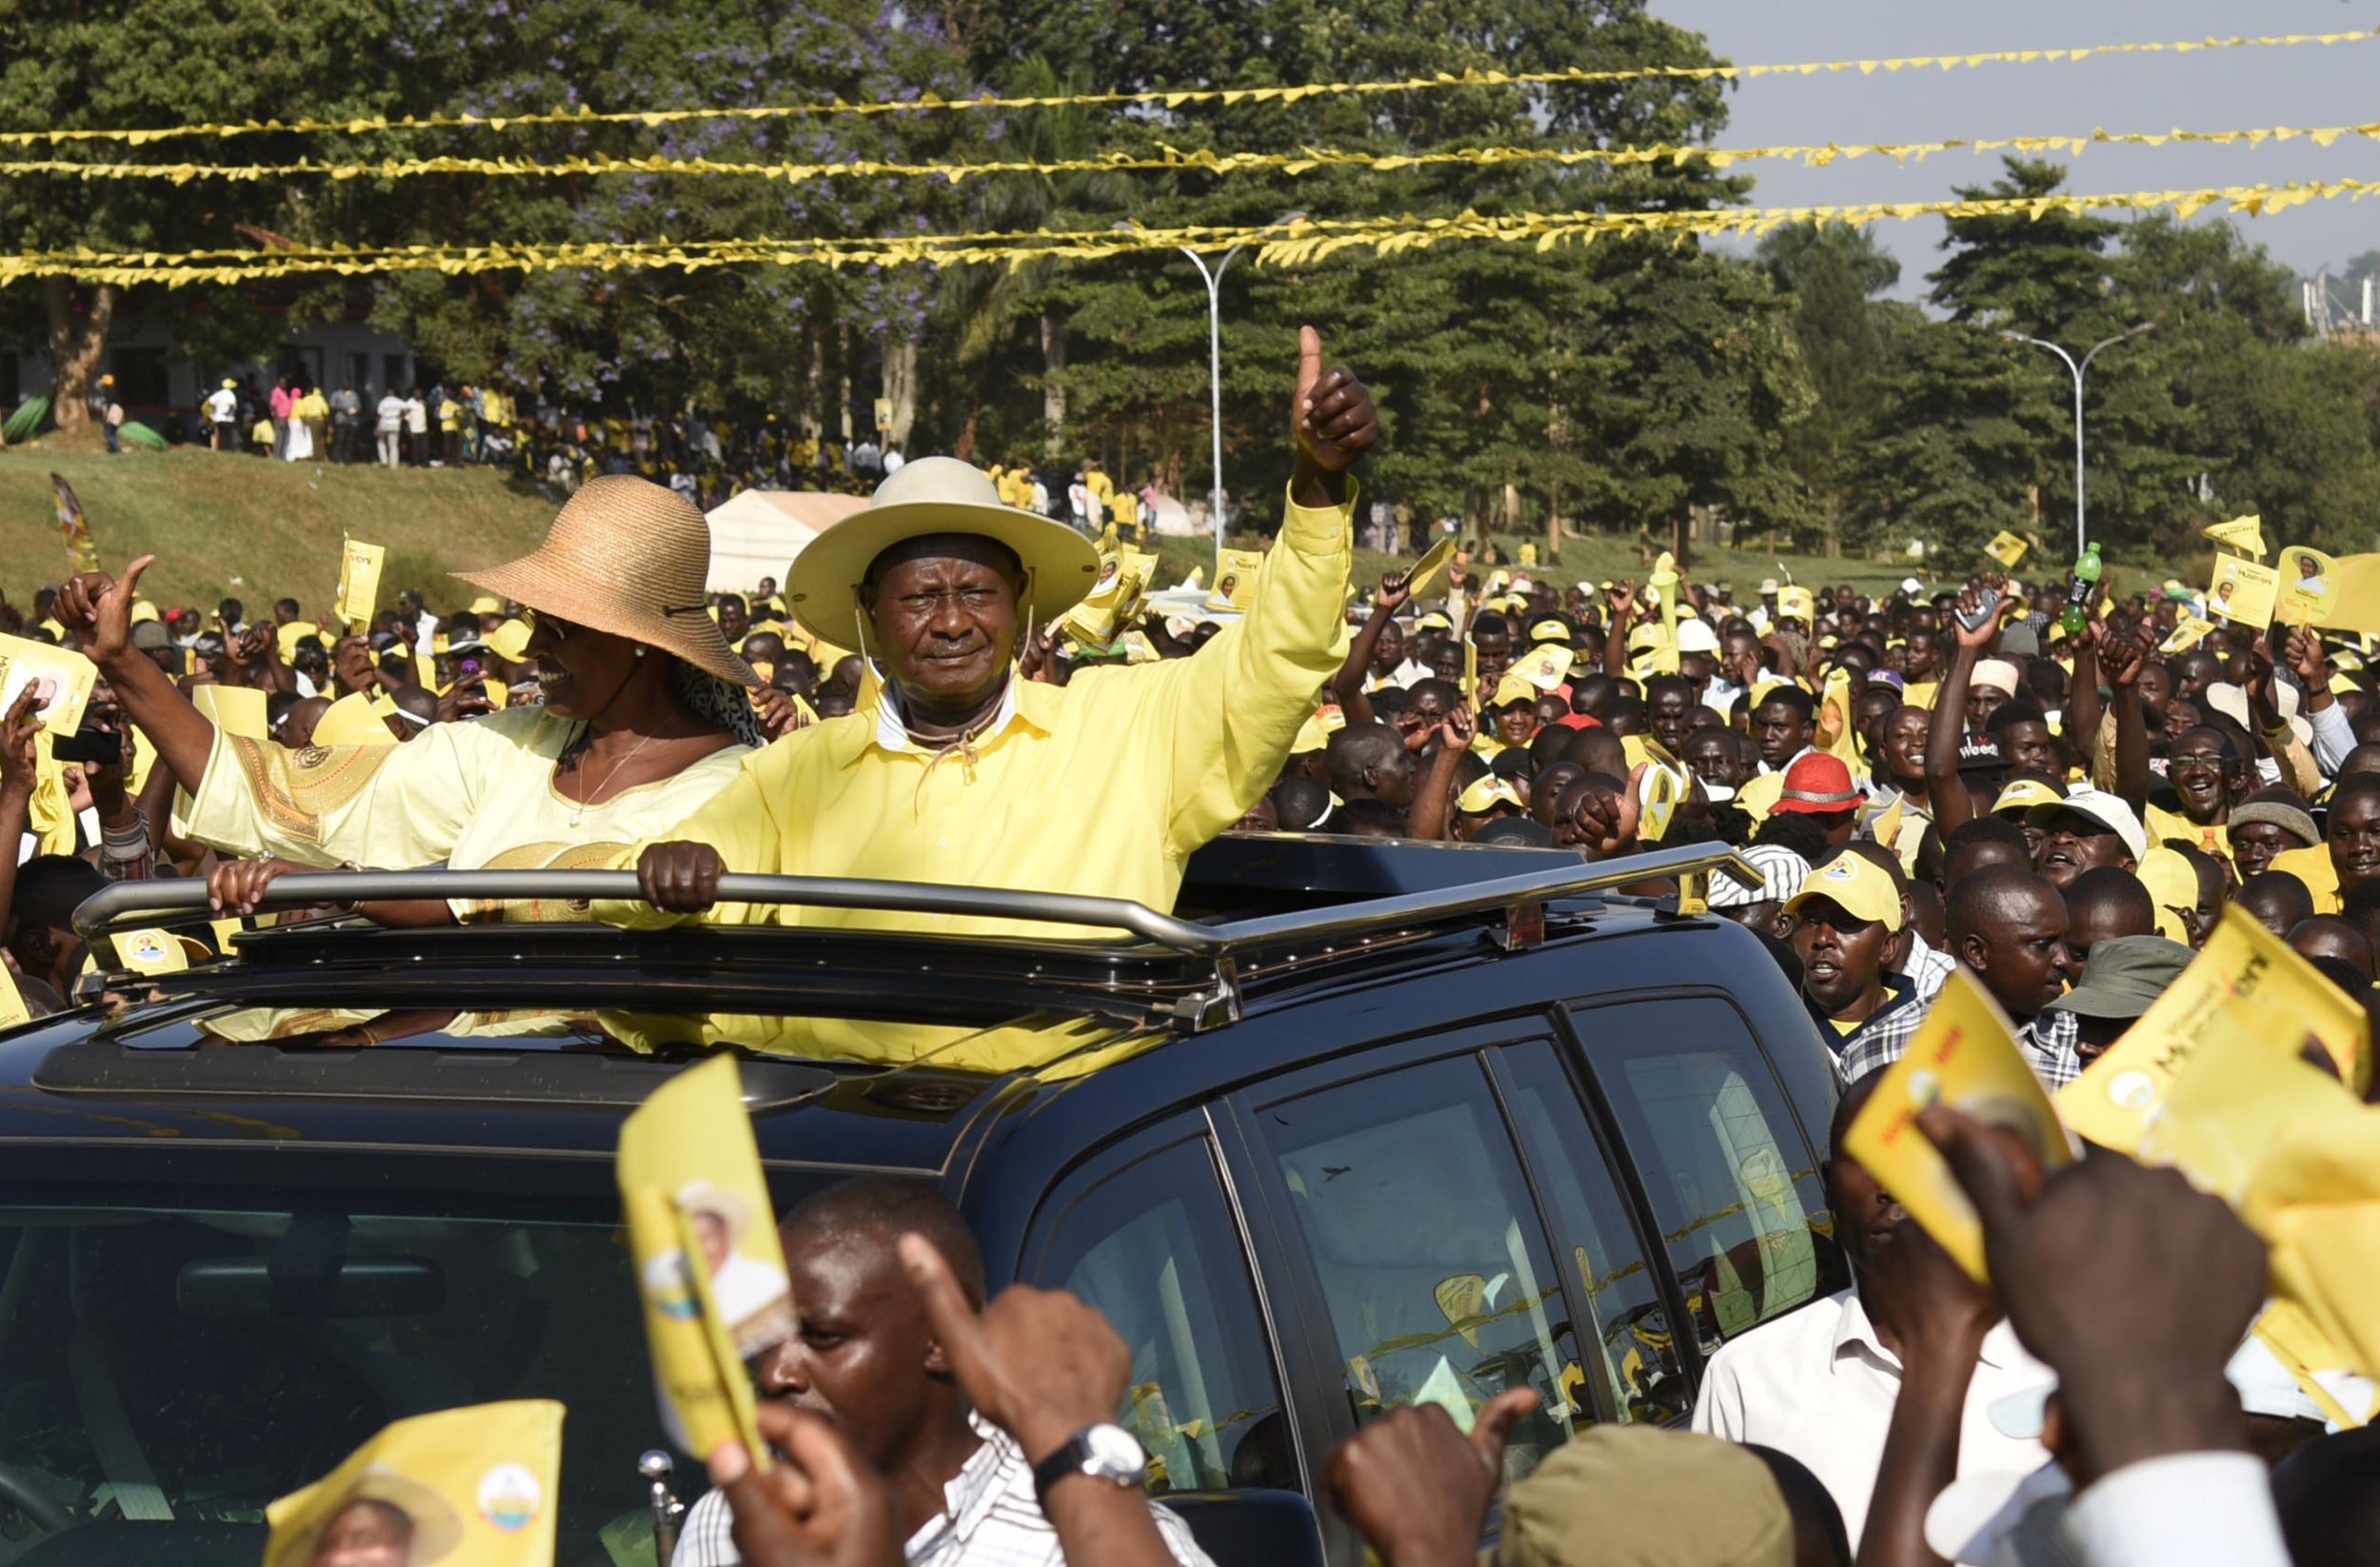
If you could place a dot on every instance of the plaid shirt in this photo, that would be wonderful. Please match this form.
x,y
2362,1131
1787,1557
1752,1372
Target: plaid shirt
x,y
2047,1041
990,1518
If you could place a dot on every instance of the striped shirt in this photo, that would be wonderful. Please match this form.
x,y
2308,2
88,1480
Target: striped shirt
x,y
990,1518
2046,1040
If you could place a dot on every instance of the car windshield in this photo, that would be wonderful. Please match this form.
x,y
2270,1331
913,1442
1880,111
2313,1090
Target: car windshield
x,y
172,1368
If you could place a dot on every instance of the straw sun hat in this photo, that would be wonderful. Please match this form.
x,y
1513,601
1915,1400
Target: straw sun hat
x,y
934,495
628,557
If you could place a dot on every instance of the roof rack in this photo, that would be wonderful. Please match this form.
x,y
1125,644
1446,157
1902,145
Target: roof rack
x,y
128,905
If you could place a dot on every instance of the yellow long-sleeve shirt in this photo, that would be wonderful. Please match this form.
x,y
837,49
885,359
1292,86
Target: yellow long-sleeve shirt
x,y
1102,786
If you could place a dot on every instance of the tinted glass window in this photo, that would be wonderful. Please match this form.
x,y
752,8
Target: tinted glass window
x,y
1633,1361
1153,1245
1733,1185
234,1355
1433,1261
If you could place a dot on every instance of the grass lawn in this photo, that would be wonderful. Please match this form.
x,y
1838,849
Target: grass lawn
x,y
257,530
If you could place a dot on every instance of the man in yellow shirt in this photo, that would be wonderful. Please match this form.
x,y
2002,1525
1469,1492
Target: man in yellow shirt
x,y
963,773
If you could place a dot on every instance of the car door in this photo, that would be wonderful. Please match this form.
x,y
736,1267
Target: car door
x,y
1144,1230
1733,1181
1410,1223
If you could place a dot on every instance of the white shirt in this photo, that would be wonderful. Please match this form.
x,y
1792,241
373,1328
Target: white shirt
x,y
416,416
989,1519
390,415
223,404
2188,1510
1816,1383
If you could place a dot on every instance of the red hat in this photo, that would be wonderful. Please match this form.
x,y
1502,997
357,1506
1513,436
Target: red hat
x,y
1818,784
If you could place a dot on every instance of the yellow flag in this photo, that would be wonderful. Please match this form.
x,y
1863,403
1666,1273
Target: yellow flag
x,y
359,584
234,709
2007,549
82,554
2246,984
708,1265
1965,1056
474,1487
2315,1198
1542,668
2245,534
2355,596
12,1007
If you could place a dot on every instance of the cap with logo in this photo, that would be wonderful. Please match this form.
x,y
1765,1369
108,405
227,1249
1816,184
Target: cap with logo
x,y
1855,884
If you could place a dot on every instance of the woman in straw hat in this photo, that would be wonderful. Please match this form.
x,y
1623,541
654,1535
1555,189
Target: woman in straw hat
x,y
643,717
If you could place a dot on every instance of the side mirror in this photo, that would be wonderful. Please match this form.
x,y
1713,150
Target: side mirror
x,y
1251,1528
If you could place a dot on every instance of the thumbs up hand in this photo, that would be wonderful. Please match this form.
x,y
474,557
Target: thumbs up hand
x,y
1332,412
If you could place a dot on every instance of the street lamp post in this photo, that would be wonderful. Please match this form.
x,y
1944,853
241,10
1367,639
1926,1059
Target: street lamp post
x,y
2078,369
1214,279
1214,374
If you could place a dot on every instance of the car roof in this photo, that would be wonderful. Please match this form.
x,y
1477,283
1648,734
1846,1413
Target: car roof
x,y
952,1032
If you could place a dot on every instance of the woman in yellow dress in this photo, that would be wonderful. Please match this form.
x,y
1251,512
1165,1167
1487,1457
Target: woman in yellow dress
x,y
644,718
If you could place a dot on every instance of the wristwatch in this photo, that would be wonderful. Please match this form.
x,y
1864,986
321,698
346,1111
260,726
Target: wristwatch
x,y
1104,1452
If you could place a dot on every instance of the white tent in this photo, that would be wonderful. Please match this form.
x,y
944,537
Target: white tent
x,y
758,533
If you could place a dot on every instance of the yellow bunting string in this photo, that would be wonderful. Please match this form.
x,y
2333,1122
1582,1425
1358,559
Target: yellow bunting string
x,y
1304,241
1174,98
1299,162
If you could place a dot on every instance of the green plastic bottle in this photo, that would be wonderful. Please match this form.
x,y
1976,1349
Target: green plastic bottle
x,y
2083,593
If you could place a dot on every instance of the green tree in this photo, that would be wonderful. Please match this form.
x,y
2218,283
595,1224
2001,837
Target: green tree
x,y
68,65
1832,273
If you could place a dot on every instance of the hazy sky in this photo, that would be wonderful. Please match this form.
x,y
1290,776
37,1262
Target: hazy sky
x,y
2304,86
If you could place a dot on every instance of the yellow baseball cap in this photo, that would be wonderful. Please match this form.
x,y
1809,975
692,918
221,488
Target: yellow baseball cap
x,y
2025,793
1485,794
1855,884
510,641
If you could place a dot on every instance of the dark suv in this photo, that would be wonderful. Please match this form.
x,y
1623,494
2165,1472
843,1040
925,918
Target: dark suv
x,y
1464,1121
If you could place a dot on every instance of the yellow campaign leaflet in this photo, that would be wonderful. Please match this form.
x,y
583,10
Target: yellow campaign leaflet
x,y
1235,579
2229,1106
2315,1198
708,1266
474,1487
2242,591
12,1007
2355,599
1797,604
1542,668
2246,983
2188,632
82,554
2244,534
359,584
2007,549
2310,586
62,678
1964,1055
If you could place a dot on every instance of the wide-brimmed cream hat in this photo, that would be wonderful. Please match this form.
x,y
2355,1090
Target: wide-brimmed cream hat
x,y
733,1213
629,557
934,495
437,1528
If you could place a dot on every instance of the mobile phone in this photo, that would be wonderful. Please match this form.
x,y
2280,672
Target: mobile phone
x,y
89,745
1987,607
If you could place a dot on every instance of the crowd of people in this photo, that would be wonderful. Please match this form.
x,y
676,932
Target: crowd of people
x,y
707,457
2061,804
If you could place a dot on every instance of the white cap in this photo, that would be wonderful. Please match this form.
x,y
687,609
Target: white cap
x,y
1695,636
2231,701
1912,586
2112,811
2002,1519
2000,675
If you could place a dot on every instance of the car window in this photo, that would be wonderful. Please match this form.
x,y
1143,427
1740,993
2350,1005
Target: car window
x,y
194,1362
1431,1257
1734,1185
1635,1364
1153,1245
